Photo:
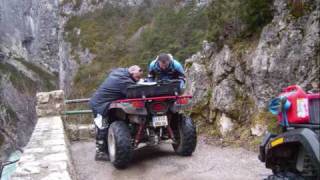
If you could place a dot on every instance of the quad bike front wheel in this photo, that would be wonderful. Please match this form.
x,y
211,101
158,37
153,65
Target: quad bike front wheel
x,y
185,136
119,144
285,176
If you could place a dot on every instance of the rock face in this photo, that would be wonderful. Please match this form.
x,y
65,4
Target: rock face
x,y
240,81
29,29
28,63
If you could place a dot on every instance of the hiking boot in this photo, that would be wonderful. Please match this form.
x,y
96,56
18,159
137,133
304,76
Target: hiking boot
x,y
101,156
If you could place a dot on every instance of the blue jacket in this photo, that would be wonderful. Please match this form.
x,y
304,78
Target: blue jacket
x,y
174,71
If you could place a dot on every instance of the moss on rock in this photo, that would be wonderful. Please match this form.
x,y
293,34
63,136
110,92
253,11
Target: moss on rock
x,y
2,139
48,81
18,79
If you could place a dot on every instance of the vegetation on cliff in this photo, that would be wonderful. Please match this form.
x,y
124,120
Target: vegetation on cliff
x,y
121,36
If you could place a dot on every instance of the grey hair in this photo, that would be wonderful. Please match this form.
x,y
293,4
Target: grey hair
x,y
134,69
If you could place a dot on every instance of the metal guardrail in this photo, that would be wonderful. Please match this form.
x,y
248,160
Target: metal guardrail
x,y
8,167
73,101
77,112
6,163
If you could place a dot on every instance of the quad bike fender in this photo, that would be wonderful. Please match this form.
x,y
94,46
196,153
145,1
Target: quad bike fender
x,y
128,108
262,147
308,139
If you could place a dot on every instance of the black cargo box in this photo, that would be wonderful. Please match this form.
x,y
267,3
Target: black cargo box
x,y
167,88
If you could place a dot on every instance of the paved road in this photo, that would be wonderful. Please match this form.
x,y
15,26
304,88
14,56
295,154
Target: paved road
x,y
208,162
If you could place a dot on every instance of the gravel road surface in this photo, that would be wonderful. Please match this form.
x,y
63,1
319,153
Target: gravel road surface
x,y
208,162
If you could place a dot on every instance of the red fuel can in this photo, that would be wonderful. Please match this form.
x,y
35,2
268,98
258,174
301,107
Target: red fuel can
x,y
298,113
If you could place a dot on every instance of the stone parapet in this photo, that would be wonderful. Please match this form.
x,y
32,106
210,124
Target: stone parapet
x,y
46,157
50,103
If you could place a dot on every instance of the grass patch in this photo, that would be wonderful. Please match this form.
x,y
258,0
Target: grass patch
x,y
18,79
23,83
48,81
268,119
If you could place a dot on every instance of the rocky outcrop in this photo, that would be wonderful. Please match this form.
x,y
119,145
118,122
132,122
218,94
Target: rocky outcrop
x,y
237,82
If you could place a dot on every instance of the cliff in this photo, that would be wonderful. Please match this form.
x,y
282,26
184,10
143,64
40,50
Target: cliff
x,y
233,84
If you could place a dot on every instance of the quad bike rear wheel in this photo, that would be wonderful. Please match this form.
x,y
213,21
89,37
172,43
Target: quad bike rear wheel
x,y
185,136
119,144
287,169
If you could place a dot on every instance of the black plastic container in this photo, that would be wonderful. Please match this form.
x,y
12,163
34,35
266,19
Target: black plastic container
x,y
164,88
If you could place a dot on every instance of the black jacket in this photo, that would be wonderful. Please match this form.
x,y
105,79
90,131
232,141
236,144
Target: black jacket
x,y
113,88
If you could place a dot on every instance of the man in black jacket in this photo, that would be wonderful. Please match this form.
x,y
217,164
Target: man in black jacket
x,y
113,88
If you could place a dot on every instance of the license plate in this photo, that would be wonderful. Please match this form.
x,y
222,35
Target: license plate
x,y
158,121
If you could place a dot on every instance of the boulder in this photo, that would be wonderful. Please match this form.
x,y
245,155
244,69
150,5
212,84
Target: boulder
x,y
258,130
226,125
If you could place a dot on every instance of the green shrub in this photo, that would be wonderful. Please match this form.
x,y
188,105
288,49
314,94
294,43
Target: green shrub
x,y
180,33
255,14
229,20
296,7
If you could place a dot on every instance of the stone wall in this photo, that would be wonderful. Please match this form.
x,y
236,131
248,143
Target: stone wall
x,y
50,103
46,155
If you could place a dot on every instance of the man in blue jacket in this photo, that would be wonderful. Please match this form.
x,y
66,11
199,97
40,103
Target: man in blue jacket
x,y
113,88
164,67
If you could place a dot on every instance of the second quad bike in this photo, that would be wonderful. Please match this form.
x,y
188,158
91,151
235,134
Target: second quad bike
x,y
294,153
151,115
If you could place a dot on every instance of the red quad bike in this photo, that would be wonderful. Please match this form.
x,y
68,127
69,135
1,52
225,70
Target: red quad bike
x,y
294,153
151,115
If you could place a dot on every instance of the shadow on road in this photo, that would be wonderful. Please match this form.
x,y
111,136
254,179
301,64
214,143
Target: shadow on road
x,y
149,154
